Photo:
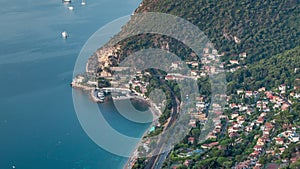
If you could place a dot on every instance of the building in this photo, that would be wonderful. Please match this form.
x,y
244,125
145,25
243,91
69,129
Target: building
x,y
234,62
279,141
294,137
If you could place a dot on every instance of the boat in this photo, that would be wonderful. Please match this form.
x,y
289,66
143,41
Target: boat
x,y
100,94
64,35
71,8
66,1
83,2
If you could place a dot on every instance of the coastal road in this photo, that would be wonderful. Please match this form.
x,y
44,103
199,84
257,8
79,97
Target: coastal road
x,y
156,162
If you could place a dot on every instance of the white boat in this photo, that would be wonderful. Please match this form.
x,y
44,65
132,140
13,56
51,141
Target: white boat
x,y
83,2
64,35
71,8
100,94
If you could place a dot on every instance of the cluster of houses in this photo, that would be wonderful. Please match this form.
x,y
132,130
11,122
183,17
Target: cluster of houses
x,y
209,63
138,86
235,64
279,104
287,137
266,103
259,148
197,113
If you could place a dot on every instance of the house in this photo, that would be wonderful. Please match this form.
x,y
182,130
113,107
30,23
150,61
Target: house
x,y
211,136
260,120
249,112
174,65
170,77
285,106
214,52
243,165
217,112
261,141
294,137
216,131
254,155
204,146
243,55
236,40
195,64
240,120
243,108
282,149
263,114
200,104
294,159
248,93
297,95
279,140
240,91
234,62
191,140
248,128
199,98
266,131
194,73
213,144
233,105
234,115
174,77
235,125
218,126
282,88
272,166
192,123
208,146
187,163
206,50
258,148
268,126
258,165
223,117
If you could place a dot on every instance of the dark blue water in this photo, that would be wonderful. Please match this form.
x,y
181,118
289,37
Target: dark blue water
x,y
38,125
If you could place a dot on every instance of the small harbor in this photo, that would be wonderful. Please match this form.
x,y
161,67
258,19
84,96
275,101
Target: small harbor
x,y
101,95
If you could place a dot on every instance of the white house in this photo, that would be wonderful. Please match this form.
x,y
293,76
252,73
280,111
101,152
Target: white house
x,y
294,137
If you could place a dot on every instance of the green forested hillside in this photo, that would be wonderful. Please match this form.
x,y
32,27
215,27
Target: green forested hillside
x,y
265,28
272,72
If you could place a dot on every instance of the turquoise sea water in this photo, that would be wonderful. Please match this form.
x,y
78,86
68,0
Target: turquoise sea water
x,y
38,124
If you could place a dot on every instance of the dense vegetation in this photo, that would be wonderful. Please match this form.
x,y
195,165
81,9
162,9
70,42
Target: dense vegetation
x,y
280,69
268,32
265,28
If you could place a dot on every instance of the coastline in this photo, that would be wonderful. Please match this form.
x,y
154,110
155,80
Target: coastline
x,y
156,112
93,62
80,86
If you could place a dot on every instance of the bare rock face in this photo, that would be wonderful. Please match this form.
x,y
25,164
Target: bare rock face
x,y
104,58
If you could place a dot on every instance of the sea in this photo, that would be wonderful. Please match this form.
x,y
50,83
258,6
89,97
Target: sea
x,y
39,128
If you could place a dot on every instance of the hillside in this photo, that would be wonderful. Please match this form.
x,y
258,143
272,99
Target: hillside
x,y
269,33
261,29
265,28
279,69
